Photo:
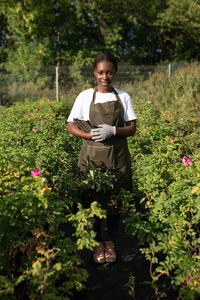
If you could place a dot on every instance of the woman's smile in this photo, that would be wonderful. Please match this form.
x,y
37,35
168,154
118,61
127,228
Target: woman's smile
x,y
104,73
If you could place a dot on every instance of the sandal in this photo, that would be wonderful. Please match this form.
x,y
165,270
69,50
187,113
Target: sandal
x,y
110,254
98,255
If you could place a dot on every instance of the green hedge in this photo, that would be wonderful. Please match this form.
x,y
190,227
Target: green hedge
x,y
165,215
41,195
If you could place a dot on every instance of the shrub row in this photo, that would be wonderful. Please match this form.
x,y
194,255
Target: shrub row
x,y
44,220
165,215
43,224
180,93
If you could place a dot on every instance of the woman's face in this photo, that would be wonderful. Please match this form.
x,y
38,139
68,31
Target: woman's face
x,y
104,73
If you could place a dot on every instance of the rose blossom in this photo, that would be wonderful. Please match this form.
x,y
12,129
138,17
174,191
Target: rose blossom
x,y
186,160
35,172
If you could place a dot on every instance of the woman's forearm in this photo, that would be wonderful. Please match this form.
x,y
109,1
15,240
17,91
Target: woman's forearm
x,y
73,129
128,130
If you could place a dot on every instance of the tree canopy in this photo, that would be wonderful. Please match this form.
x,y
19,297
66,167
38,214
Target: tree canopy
x,y
40,32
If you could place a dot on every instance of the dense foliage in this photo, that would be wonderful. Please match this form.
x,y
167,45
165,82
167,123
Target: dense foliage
x,y
165,216
179,93
138,32
36,37
46,221
40,196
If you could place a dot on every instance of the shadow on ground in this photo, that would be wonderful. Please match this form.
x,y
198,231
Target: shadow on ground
x,y
108,281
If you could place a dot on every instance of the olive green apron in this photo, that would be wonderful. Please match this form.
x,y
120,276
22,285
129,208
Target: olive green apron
x,y
111,154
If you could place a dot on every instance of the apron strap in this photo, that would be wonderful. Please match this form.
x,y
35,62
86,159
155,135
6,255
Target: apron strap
x,y
94,95
116,94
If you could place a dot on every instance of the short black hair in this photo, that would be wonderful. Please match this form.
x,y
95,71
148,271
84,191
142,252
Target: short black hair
x,y
105,56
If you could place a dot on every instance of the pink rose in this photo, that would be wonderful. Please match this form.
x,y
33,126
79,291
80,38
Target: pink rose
x,y
35,172
186,161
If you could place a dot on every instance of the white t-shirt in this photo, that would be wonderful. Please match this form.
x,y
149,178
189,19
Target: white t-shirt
x,y
82,103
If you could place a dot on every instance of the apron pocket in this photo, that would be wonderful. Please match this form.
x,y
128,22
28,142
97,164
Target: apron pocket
x,y
101,156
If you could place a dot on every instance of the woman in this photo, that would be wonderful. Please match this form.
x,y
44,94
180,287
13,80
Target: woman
x,y
111,113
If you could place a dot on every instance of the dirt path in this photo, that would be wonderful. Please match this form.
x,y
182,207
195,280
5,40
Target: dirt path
x,y
108,281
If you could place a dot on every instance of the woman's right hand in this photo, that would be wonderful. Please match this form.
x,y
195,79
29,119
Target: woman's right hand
x,y
73,129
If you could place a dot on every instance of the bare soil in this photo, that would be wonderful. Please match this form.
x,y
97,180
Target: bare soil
x,y
109,280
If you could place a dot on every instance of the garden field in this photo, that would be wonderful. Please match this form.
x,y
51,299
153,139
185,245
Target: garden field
x,y
41,192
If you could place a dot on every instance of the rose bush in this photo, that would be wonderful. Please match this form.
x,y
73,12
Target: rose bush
x,y
41,195
46,219
165,213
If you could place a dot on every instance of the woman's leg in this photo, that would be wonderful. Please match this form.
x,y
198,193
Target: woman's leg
x,y
112,229
97,229
98,254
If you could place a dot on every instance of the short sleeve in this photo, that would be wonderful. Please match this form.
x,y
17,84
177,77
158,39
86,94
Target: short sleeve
x,y
80,109
129,111
77,110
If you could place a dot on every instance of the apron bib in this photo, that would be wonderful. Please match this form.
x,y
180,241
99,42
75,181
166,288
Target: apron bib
x,y
111,154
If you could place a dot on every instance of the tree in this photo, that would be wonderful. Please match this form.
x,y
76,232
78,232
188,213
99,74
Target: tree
x,y
180,27
39,33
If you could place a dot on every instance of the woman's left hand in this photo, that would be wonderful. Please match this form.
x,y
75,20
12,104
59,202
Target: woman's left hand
x,y
103,132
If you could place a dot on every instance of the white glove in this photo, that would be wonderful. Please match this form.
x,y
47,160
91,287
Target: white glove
x,y
103,132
